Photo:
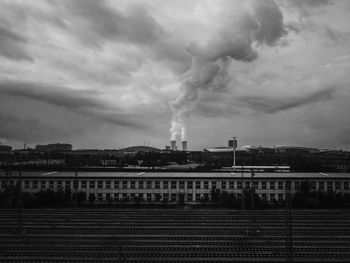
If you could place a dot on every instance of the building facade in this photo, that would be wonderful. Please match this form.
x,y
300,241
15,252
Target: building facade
x,y
174,187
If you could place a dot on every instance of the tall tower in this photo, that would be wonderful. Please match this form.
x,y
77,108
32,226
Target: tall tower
x,y
173,145
184,146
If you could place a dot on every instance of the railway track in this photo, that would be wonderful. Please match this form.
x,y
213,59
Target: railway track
x,y
85,235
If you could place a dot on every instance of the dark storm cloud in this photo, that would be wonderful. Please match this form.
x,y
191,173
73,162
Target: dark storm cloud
x,y
310,3
272,105
82,101
30,129
94,22
270,18
307,7
56,95
12,45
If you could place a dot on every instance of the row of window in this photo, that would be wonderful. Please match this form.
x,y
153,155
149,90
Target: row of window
x,y
272,185
176,197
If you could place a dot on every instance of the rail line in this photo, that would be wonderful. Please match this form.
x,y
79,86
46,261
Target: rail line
x,y
103,235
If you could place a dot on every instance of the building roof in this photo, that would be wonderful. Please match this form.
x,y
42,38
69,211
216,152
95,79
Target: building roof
x,y
169,175
139,149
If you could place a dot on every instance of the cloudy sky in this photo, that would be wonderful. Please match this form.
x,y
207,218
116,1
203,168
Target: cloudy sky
x,y
111,74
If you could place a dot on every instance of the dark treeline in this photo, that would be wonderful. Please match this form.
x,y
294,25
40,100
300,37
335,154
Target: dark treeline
x,y
332,161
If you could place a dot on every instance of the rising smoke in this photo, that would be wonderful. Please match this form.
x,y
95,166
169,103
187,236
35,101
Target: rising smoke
x,y
261,23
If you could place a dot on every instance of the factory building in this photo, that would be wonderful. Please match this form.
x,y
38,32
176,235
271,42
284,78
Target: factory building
x,y
175,187
55,147
5,148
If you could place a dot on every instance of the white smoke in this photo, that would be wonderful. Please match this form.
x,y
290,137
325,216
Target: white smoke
x,y
261,24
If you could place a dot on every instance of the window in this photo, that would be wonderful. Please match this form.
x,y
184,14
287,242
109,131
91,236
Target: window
x,y
140,184
213,185
149,184
206,197
297,185
239,196
190,185
263,185
263,197
165,184
232,184
149,197
247,185
346,185
99,197
83,184
59,184
313,185
12,183
3,184
173,197
92,184
223,184
321,186
198,185
132,184
43,184
256,184
68,184
100,184
337,185
26,184
198,197
108,184
280,185
157,184
329,186
182,185
108,197
132,196
165,197
206,184
35,184
50,184
239,185
173,185
272,197
116,184
125,184
189,197
76,184
272,185
280,197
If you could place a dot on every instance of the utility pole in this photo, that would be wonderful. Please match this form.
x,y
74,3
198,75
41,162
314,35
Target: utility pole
x,y
19,201
233,144
242,187
75,185
252,190
289,233
254,229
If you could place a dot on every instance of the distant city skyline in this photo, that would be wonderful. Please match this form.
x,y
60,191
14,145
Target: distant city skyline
x,y
113,74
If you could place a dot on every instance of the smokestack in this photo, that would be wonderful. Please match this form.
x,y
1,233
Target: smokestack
x,y
184,146
173,145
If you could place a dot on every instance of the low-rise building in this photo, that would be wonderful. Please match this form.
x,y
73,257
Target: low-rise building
x,y
55,147
176,187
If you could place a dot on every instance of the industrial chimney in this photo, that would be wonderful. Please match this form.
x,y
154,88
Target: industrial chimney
x,y
184,146
173,145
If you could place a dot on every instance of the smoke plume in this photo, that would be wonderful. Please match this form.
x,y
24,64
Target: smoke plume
x,y
261,23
